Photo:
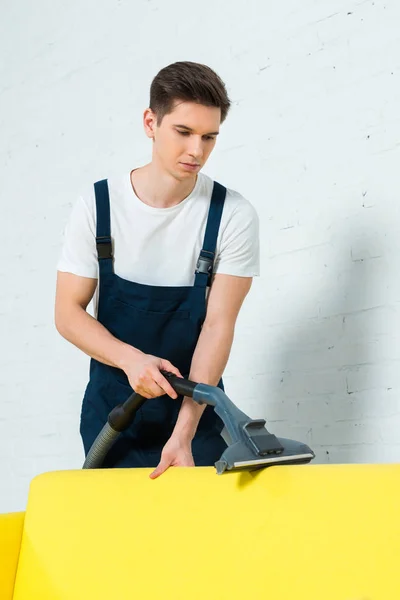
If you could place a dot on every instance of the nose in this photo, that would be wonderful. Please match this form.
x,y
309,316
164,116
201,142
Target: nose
x,y
196,147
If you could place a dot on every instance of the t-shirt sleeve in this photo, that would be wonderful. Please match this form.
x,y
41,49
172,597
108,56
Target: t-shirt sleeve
x,y
78,253
239,248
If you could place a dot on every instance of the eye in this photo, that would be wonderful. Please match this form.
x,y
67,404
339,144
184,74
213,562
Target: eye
x,y
208,138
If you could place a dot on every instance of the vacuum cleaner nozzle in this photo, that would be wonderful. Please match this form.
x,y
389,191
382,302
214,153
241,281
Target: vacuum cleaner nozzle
x,y
249,444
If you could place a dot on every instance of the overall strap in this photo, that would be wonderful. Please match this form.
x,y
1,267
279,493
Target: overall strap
x,y
205,262
103,227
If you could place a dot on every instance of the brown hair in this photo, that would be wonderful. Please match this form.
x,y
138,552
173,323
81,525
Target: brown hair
x,y
188,82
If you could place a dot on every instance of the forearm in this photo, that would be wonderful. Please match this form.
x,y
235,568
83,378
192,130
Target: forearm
x,y
86,333
208,364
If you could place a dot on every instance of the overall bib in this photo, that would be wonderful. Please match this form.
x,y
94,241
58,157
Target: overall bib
x,y
163,321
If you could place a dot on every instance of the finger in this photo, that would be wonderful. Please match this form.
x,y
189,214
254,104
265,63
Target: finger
x,y
161,468
155,390
167,366
165,385
149,388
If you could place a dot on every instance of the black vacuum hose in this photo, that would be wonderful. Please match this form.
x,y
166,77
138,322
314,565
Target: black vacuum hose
x,y
123,415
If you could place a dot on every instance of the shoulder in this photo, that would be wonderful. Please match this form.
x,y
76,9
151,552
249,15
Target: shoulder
x,y
238,236
239,206
117,189
235,201
238,212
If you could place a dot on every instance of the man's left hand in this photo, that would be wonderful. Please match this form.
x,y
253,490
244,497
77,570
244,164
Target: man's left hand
x,y
176,453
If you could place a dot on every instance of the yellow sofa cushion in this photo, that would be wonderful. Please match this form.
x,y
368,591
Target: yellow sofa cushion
x,y
10,542
312,532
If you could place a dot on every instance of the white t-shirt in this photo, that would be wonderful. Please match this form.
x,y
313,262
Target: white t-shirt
x,y
160,246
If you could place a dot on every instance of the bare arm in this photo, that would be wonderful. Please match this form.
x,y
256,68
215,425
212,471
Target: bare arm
x,y
208,363
74,323
214,345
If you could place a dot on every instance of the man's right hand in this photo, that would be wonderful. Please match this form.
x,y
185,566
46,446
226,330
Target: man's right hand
x,y
144,374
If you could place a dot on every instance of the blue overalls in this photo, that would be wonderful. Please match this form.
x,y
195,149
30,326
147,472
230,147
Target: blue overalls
x,y
162,321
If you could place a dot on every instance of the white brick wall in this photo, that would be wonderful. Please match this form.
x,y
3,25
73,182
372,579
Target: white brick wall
x,y
312,140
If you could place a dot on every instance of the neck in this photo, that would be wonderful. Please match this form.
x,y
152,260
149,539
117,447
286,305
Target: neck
x,y
160,189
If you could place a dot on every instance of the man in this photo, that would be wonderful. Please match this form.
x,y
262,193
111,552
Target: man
x,y
168,256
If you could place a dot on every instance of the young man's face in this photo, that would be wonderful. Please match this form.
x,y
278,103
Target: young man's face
x,y
184,140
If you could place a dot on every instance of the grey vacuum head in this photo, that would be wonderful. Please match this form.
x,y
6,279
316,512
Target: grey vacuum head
x,y
250,445
238,457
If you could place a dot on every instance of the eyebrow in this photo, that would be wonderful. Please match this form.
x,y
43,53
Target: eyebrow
x,y
189,129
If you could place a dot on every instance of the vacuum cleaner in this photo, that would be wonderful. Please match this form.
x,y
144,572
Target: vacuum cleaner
x,y
250,445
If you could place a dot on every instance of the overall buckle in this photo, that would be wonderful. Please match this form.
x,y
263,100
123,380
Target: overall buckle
x,y
104,247
205,264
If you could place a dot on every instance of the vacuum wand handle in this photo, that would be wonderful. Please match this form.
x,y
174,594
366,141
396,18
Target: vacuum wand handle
x,y
123,415
183,387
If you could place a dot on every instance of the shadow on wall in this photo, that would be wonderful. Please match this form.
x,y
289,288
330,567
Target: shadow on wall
x,y
318,398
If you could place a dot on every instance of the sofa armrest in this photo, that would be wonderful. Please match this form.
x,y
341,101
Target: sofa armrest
x,y
11,526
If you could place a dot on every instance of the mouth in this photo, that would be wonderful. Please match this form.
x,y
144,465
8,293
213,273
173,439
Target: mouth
x,y
191,166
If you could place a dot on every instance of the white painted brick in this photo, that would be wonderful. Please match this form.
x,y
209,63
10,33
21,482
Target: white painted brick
x,y
379,403
316,349
317,409
296,432
6,448
389,429
365,285
380,453
373,377
348,432
293,237
360,453
345,454
313,382
58,463
32,427
366,404
346,353
41,445
22,468
373,323
306,261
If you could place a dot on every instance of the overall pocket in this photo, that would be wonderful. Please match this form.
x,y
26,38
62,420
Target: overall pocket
x,y
169,335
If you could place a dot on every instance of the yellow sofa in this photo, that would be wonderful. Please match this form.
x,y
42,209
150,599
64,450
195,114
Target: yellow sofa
x,y
312,532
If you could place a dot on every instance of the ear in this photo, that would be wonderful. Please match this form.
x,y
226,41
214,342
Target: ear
x,y
149,123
